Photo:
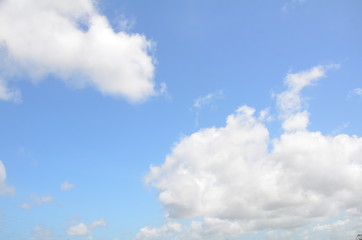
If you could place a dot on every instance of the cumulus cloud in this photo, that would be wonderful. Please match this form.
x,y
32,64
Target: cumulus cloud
x,y
237,179
72,40
65,186
85,230
4,188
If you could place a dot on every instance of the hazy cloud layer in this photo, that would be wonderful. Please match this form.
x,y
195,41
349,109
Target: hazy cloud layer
x,y
237,179
4,188
72,40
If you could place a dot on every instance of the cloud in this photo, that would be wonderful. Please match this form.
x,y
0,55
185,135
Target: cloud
x,y
41,200
72,40
4,188
357,91
7,94
85,230
207,99
42,233
290,102
291,4
65,186
78,230
235,179
97,223
26,206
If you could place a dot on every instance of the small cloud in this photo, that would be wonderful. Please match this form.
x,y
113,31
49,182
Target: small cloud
x,y
357,91
207,99
7,94
4,188
65,186
97,223
82,229
40,200
26,206
42,233
291,4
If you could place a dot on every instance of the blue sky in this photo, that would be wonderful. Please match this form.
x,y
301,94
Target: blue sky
x,y
180,119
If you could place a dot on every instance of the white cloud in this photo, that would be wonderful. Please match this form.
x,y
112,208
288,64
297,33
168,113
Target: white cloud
x,y
4,188
291,4
82,229
65,186
26,206
357,91
40,200
97,223
290,102
42,233
7,94
207,99
78,230
168,229
237,179
72,40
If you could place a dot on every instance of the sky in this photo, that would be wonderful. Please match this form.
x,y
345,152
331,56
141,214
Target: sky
x,y
185,120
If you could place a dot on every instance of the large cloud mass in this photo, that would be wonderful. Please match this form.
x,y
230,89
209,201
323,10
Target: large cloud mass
x,y
237,179
74,41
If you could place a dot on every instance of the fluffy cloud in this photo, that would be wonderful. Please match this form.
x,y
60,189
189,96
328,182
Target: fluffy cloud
x,y
4,188
65,186
237,179
72,40
82,229
78,230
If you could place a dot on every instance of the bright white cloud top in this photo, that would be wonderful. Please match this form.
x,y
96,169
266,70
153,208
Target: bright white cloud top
x,y
72,40
238,180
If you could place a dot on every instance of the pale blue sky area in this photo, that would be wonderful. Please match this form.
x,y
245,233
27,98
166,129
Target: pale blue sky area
x,y
62,121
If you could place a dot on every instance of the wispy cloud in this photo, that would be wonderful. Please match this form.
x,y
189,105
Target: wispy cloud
x,y
357,91
65,186
289,4
207,99
26,206
4,188
204,101
7,94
